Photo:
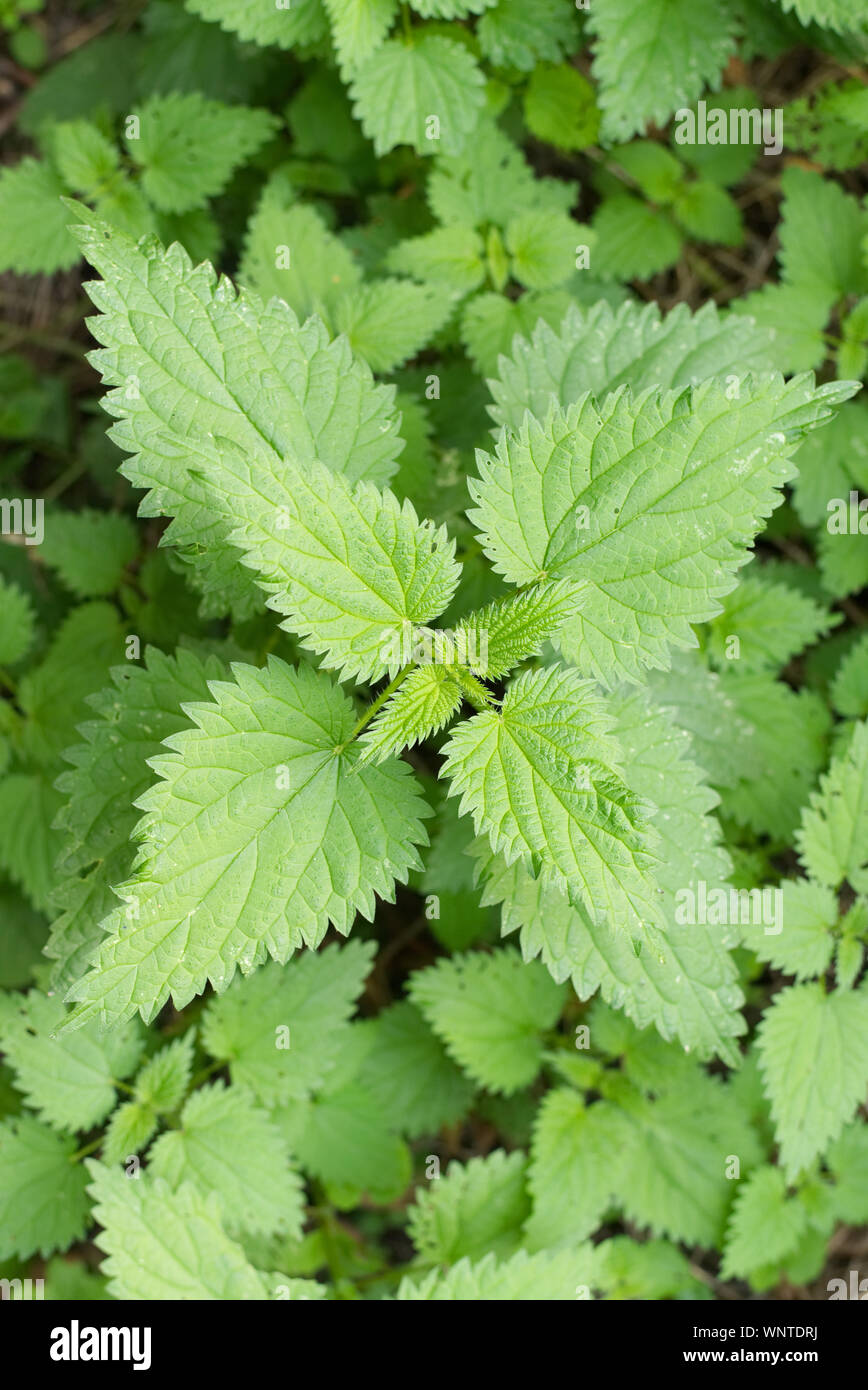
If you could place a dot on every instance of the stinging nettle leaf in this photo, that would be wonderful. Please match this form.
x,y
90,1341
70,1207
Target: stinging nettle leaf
x,y
424,702
409,1074
189,360
771,622
141,707
306,1004
17,623
516,35
162,1244
352,567
490,1011
36,239
301,23
359,28
683,980
548,1277
504,633
833,838
388,321
813,1054
70,1081
654,56
427,93
43,1206
652,500
475,1209
226,1144
188,146
765,1224
255,840
539,777
601,348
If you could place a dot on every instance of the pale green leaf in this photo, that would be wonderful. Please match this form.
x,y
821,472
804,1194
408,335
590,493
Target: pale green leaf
x,y
813,1054
601,348
634,241
449,256
352,568
516,35
423,703
804,945
490,1011
226,1144
84,158
141,707
70,1080
162,1082
388,321
302,22
162,1245
849,693
546,1278
43,1206
538,777
255,840
359,28
574,1169
90,550
766,1224
190,361
17,623
409,1074
289,253
771,623
472,1210
36,239
559,107
833,839
544,247
655,56
653,500
427,93
504,633
305,1004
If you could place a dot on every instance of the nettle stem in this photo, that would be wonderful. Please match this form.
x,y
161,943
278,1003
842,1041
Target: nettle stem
x,y
86,1149
475,692
379,702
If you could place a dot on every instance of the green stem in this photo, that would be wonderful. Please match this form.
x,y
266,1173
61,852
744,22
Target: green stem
x,y
23,337
85,1150
395,1272
66,479
269,645
204,1073
328,1223
378,703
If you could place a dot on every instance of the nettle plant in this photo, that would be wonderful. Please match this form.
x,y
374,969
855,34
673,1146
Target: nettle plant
x,y
635,458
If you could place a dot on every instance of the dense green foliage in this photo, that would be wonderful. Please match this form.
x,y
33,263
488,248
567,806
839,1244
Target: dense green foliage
x,y
434,814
